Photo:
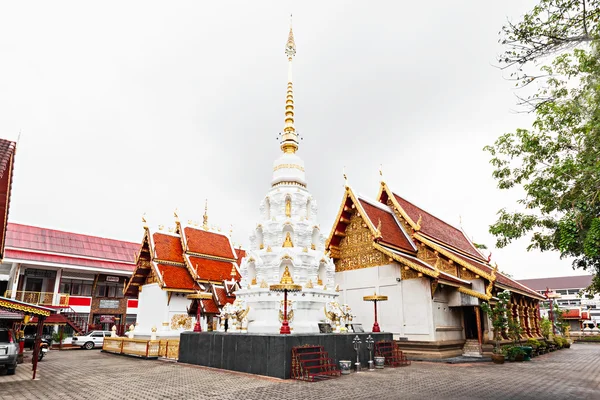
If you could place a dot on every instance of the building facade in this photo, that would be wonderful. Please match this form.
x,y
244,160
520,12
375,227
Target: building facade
x,y
433,275
82,276
579,308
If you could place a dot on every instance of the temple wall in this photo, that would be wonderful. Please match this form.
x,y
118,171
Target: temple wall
x,y
448,321
408,311
153,309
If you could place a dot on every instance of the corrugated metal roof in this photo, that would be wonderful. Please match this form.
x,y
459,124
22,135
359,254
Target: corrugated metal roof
x,y
43,240
559,282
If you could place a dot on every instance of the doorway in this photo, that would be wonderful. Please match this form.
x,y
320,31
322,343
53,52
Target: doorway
x,y
470,322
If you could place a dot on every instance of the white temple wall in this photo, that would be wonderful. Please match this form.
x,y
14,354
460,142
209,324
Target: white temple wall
x,y
152,307
408,311
417,307
448,320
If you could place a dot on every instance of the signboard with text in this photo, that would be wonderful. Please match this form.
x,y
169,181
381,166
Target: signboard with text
x,y
107,319
112,279
109,304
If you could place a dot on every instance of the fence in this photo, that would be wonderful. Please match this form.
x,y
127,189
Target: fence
x,y
39,298
142,347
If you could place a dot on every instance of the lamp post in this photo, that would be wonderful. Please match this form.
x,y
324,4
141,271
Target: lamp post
x,y
357,342
199,297
370,343
551,296
285,285
375,298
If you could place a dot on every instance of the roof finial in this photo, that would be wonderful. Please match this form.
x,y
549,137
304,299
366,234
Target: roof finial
x,y
289,138
205,217
345,178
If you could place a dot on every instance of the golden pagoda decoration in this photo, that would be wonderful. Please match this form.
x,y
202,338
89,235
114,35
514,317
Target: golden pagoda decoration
x,y
289,137
205,217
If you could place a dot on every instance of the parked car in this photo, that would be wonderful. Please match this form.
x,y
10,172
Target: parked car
x,y
91,340
9,349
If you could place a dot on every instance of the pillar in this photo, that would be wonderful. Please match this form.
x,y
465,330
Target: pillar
x,y
56,295
478,318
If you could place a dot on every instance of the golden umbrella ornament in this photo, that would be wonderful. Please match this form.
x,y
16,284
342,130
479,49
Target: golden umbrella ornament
x,y
285,285
375,298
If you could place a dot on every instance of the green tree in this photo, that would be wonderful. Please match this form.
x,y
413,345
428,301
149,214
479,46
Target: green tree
x,y
556,161
498,315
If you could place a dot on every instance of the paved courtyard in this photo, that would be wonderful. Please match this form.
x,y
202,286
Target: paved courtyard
x,y
80,374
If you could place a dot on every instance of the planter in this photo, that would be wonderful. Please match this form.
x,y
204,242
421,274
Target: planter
x,y
528,350
345,366
379,362
498,358
519,357
568,346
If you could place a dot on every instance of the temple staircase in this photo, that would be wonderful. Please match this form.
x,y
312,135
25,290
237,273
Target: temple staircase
x,y
312,363
394,357
472,348
78,323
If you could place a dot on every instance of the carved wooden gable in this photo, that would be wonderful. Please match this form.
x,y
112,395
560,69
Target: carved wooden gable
x,y
356,248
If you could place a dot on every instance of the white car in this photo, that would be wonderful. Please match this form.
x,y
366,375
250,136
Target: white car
x,y
91,340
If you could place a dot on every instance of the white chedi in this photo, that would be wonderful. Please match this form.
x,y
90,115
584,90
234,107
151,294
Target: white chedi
x,y
288,235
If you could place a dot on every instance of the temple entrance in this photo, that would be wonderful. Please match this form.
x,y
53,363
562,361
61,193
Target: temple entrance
x,y
470,323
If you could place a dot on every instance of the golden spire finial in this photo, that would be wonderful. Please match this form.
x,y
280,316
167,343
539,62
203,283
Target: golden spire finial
x,y
289,138
418,227
176,215
205,217
345,177
381,171
144,220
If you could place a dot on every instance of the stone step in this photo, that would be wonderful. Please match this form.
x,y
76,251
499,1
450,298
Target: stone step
x,y
472,354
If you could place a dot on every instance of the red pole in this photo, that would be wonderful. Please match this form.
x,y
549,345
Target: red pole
x,y
36,347
285,328
376,325
198,327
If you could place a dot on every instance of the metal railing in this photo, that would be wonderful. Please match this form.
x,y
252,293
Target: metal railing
x,y
39,298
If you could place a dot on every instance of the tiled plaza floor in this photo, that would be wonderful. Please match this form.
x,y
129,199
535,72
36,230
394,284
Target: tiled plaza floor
x,y
78,374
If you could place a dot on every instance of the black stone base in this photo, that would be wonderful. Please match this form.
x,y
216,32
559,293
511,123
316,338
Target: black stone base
x,y
266,354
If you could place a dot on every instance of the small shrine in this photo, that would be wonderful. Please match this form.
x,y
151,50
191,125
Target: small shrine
x,y
181,274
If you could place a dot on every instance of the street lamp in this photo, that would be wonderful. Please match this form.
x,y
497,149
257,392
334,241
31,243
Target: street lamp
x,y
375,298
199,297
285,285
551,296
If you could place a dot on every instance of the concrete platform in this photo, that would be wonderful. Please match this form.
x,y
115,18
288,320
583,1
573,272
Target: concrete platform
x,y
266,354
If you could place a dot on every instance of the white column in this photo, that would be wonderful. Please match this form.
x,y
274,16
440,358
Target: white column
x,y
56,296
13,280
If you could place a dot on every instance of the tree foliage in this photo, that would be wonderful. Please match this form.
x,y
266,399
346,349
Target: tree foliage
x,y
557,160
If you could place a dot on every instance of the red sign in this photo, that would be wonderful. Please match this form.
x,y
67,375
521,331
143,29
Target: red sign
x,y
107,319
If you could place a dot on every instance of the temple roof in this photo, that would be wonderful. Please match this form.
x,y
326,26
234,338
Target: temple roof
x,y
431,225
167,247
213,270
391,230
176,277
208,243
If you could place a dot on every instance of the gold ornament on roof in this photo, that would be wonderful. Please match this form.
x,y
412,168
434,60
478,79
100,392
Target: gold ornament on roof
x,y
205,217
309,284
254,281
264,285
319,281
175,214
289,138
288,240
288,207
418,227
375,297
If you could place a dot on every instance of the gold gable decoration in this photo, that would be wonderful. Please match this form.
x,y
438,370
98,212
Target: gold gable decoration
x,y
356,248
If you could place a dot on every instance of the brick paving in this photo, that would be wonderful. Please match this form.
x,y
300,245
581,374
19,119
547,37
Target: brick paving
x,y
79,374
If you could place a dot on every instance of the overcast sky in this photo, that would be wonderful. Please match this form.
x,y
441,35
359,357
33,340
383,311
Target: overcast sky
x,y
129,107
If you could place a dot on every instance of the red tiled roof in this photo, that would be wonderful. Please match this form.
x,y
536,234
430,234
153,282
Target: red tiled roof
x,y
175,277
222,297
572,314
213,270
75,261
559,282
7,155
391,232
208,243
240,255
53,319
26,237
438,229
585,315
209,307
500,278
167,247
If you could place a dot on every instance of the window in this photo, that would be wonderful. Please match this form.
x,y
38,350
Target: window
x,y
76,287
97,334
109,289
562,291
